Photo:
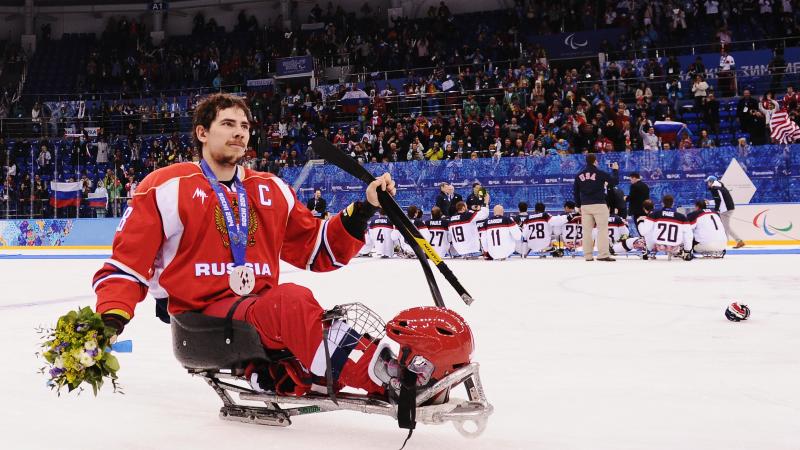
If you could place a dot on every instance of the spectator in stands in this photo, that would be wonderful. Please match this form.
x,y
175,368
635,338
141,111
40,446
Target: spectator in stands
x,y
750,118
711,113
696,68
435,153
44,158
768,106
726,76
36,118
699,93
705,141
649,139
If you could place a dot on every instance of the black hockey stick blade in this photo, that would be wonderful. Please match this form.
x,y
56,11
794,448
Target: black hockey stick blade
x,y
410,232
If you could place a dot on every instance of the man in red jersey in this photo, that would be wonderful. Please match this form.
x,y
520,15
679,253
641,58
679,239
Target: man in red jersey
x,y
210,236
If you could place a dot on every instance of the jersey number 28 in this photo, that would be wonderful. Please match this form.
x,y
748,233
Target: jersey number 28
x,y
537,231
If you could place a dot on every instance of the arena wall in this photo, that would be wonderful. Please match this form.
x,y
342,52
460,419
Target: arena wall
x,y
764,182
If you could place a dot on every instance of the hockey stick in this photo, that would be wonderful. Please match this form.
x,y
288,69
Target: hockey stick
x,y
422,248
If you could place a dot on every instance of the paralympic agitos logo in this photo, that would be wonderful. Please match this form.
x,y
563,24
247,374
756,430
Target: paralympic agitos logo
x,y
769,230
570,41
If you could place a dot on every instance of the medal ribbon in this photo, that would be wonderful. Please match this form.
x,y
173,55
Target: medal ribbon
x,y
237,233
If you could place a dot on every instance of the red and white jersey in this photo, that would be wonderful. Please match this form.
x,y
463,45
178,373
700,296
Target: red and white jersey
x,y
383,236
174,230
464,231
500,236
536,230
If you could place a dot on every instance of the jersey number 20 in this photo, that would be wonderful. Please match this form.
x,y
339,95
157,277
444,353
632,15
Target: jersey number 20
x,y
671,231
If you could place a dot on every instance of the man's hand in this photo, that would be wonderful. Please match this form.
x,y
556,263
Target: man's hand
x,y
614,166
115,322
385,183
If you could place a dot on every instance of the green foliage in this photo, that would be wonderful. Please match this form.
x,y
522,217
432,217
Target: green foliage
x,y
77,352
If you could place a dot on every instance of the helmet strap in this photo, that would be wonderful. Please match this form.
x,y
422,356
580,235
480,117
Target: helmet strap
x,y
407,403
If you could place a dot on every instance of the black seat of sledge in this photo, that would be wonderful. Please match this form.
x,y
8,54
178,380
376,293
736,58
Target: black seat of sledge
x,y
204,342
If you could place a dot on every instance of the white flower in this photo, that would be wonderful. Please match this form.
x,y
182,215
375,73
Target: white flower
x,y
86,360
59,363
90,345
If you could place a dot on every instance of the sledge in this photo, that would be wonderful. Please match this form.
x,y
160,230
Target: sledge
x,y
218,350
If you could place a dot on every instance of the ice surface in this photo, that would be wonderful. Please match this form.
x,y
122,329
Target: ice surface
x,y
574,355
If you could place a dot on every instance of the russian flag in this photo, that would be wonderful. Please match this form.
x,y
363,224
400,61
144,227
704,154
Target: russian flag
x,y
65,194
98,200
669,131
352,100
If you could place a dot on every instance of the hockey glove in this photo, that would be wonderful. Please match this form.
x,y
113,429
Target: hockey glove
x,y
355,218
115,322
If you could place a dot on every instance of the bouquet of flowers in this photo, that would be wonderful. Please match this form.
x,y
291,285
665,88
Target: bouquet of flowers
x,y
78,350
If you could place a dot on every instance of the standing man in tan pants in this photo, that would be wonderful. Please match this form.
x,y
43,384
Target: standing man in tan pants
x,y
590,196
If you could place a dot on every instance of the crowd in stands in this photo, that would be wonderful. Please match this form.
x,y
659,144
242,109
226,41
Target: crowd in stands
x,y
525,108
123,58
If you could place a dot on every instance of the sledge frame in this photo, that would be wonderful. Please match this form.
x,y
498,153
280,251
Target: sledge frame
x,y
461,413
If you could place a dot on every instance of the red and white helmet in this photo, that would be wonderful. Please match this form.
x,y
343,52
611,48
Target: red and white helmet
x,y
438,335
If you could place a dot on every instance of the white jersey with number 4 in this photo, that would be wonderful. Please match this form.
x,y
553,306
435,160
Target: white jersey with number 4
x,y
500,237
380,233
464,231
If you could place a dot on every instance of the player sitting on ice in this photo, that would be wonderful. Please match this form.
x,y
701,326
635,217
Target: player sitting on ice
x,y
568,228
619,237
382,235
557,225
667,231
463,227
519,218
500,235
215,232
537,232
404,249
710,239
436,231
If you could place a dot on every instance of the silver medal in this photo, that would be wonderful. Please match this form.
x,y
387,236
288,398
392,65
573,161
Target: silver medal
x,y
242,280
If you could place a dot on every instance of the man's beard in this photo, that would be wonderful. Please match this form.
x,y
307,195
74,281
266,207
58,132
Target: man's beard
x,y
228,160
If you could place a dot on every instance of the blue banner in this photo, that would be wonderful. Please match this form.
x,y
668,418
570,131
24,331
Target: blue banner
x,y
261,84
298,66
773,169
578,44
